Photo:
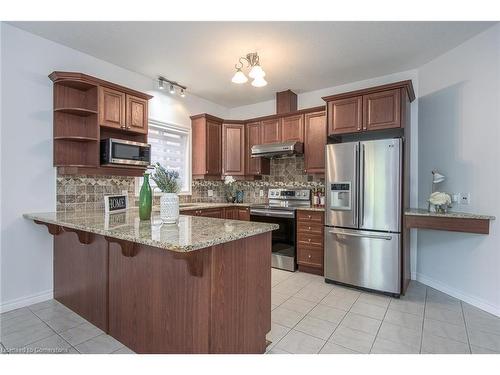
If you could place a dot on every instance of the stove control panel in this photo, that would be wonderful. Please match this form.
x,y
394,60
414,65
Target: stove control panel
x,y
289,194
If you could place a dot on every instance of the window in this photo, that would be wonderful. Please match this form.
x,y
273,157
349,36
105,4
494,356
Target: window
x,y
171,147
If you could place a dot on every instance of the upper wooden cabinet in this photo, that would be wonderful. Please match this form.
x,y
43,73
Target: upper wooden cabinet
x,y
271,131
374,108
382,110
314,142
255,166
137,114
292,128
207,150
112,108
233,149
345,115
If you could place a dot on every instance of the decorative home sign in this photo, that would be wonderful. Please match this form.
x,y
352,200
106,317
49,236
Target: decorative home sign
x,y
115,203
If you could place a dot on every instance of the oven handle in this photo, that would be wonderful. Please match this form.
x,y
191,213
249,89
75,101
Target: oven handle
x,y
272,213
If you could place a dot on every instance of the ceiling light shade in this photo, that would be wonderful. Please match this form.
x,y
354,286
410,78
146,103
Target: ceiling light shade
x,y
259,82
183,94
161,85
256,72
172,89
239,77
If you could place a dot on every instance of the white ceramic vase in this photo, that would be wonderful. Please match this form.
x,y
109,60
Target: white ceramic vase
x,y
169,208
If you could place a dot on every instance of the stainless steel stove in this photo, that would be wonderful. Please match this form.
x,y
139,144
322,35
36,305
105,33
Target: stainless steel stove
x,y
281,210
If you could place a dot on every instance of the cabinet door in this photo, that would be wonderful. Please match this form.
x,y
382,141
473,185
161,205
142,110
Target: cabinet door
x,y
231,213
314,142
255,166
233,149
213,148
271,131
382,110
292,128
244,213
137,114
211,212
111,108
345,115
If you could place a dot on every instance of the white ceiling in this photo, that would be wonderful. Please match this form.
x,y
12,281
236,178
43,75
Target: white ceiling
x,y
301,56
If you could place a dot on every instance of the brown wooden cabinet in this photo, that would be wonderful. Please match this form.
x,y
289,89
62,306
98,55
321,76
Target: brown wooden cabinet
x,y
88,109
314,142
243,213
271,131
231,212
207,150
292,128
345,115
310,248
136,114
382,110
375,108
217,213
255,166
112,108
233,149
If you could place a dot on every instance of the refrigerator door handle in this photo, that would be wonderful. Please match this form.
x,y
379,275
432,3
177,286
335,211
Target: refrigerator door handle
x,y
372,236
354,196
362,187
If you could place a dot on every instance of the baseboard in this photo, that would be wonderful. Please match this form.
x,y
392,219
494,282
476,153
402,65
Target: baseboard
x,y
26,301
472,300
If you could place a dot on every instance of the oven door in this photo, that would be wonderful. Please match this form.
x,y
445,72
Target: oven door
x,y
283,239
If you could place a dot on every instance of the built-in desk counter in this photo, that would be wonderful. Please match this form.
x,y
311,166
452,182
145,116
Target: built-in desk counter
x,y
450,221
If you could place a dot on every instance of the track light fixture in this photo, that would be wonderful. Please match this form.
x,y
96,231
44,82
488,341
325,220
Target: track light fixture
x,y
256,71
173,85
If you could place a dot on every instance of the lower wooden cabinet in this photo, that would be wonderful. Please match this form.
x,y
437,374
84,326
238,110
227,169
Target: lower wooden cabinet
x,y
310,239
232,212
243,213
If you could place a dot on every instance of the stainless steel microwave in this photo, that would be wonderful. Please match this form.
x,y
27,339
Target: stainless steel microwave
x,y
122,152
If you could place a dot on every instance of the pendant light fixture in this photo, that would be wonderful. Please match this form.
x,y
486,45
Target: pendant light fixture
x,y
172,86
256,72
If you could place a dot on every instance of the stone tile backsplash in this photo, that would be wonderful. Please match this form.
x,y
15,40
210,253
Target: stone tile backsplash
x,y
87,192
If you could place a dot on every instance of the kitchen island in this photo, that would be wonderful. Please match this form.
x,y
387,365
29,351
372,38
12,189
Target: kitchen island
x,y
202,285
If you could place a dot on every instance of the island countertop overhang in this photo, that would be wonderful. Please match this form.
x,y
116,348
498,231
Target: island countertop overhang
x,y
189,234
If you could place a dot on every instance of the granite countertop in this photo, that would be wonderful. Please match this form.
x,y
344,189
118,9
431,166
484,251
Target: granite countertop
x,y
190,233
456,215
320,209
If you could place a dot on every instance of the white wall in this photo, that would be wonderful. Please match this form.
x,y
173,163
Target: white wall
x,y
313,99
459,113
27,177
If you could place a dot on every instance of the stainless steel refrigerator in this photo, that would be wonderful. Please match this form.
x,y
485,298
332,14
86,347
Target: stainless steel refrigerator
x,y
363,214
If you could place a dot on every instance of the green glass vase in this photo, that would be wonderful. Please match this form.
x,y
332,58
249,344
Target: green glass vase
x,y
145,199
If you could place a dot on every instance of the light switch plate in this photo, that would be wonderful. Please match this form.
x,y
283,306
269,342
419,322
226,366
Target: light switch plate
x,y
464,198
210,193
124,192
261,193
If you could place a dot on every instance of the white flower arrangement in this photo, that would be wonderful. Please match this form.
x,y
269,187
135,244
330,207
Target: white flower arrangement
x,y
229,180
439,199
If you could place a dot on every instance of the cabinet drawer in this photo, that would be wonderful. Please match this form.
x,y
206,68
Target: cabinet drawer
x,y
310,216
308,227
309,256
310,239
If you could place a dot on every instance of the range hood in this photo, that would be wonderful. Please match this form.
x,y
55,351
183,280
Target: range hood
x,y
277,149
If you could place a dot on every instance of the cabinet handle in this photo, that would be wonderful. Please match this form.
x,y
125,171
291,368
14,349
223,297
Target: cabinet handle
x,y
309,216
309,256
123,127
309,239
128,127
309,228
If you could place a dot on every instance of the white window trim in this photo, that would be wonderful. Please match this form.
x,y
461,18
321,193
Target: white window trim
x,y
174,127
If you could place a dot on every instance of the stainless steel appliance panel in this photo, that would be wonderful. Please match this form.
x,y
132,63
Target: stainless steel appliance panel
x,y
342,170
363,258
380,185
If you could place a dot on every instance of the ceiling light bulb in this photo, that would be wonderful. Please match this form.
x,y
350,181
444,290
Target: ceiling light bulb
x,y
183,94
256,72
161,86
239,77
259,82
172,89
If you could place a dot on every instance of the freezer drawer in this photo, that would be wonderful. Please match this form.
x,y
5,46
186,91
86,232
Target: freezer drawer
x,y
363,258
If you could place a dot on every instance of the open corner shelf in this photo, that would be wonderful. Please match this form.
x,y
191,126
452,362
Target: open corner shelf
x,y
76,111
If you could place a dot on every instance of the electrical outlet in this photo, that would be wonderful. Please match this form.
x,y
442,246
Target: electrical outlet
x,y
261,193
210,193
124,192
455,198
464,198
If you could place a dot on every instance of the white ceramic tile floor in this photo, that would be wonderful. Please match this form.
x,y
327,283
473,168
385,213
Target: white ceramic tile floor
x,y
349,321
309,316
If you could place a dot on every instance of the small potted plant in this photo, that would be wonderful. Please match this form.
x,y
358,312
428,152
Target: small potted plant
x,y
167,180
229,184
440,201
